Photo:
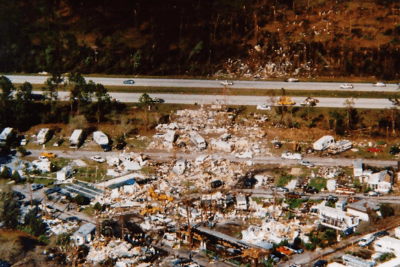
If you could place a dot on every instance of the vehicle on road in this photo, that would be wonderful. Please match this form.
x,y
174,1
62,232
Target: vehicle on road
x,y
73,219
98,159
306,163
310,102
129,82
19,195
285,101
158,100
379,84
374,150
332,198
226,82
294,249
290,155
36,187
244,155
48,154
366,240
310,190
280,189
346,86
372,194
292,80
263,107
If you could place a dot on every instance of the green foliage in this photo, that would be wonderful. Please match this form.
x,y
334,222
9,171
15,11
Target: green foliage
x,y
294,203
44,240
386,210
63,239
22,151
9,210
318,183
145,99
386,257
5,173
284,179
16,177
310,246
98,206
81,200
35,224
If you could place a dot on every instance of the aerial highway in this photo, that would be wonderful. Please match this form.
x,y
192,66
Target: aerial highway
x,y
369,103
197,83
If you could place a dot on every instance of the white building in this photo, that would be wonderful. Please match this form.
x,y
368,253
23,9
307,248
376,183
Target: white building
x,y
6,135
324,142
397,232
65,173
358,167
43,135
169,138
380,182
337,219
100,138
360,209
84,234
241,202
387,244
43,166
76,138
197,140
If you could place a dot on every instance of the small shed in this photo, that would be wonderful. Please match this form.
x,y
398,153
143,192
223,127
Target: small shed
x,y
84,234
65,173
358,167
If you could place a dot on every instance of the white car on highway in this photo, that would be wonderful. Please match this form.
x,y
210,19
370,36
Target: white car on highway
x,y
263,107
379,84
98,159
306,163
227,82
346,86
290,155
293,80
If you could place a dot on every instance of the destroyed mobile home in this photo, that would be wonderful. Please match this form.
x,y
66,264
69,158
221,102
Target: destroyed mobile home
x,y
217,199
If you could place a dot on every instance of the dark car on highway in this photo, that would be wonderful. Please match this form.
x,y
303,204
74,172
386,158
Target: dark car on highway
x,y
129,82
51,190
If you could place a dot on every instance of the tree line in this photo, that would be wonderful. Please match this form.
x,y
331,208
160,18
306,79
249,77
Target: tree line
x,y
180,37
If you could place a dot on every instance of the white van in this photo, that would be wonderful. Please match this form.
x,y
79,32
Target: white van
x,y
366,240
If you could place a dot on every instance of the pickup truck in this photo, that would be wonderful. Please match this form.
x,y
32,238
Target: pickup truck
x,y
290,155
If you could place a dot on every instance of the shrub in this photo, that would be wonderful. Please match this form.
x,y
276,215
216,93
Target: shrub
x,y
5,173
81,200
44,240
22,151
386,210
97,206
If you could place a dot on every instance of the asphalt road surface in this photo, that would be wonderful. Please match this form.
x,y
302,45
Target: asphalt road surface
x,y
187,83
368,103
164,156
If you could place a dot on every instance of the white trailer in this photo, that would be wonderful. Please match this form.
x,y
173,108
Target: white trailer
x,y
169,138
197,140
6,135
43,136
339,147
76,138
100,138
324,142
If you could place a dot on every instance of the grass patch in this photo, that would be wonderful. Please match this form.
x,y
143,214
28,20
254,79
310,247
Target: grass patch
x,y
284,179
89,210
258,200
294,203
44,181
319,183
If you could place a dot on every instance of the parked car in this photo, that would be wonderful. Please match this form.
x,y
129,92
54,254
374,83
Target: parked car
x,y
158,100
52,190
394,150
381,234
250,182
366,240
73,219
19,195
282,189
226,82
43,158
379,84
36,187
346,86
374,149
98,159
277,145
216,183
332,198
310,190
320,263
120,145
106,148
306,163
372,194
48,154
294,249
24,142
129,82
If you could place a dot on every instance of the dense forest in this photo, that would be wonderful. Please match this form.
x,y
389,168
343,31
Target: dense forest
x,y
267,38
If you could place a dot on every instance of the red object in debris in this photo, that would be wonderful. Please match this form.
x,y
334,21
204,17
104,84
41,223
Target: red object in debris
x,y
374,149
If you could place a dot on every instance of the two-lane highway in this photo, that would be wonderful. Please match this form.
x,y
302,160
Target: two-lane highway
x,y
197,83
